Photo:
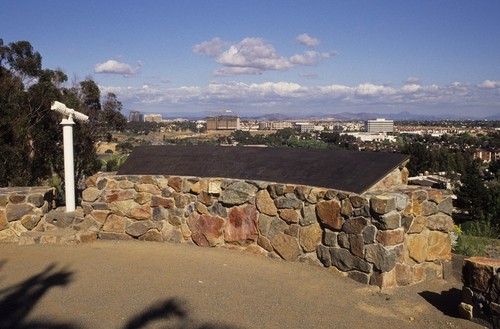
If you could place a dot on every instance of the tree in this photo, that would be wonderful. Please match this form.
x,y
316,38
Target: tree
x,y
31,149
27,136
472,195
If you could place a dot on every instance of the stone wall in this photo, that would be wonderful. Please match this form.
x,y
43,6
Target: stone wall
x,y
385,238
22,209
481,291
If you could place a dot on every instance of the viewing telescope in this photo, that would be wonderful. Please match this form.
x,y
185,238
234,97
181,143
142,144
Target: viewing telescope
x,y
69,113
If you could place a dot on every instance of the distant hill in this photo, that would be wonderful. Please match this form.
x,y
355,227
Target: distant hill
x,y
344,116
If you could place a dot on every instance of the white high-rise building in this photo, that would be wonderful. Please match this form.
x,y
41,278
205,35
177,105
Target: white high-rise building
x,y
379,126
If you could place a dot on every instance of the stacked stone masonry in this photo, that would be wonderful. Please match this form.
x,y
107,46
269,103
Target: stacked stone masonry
x,y
481,291
22,210
386,238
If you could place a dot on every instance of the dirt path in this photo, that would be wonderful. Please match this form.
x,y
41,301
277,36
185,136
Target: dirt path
x,y
160,285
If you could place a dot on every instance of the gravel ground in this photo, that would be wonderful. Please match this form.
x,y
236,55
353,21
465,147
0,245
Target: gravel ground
x,y
158,285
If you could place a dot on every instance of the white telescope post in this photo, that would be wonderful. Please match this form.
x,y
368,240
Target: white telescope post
x,y
69,166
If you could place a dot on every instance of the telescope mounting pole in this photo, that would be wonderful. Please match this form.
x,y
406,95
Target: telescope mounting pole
x,y
69,169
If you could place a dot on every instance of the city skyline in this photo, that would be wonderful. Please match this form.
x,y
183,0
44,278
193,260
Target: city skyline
x,y
258,57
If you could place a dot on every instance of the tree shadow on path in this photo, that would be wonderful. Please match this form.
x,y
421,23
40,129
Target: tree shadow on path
x,y
172,314
17,301
446,301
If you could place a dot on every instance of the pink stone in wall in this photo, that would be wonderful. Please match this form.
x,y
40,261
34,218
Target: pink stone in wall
x,y
241,226
207,231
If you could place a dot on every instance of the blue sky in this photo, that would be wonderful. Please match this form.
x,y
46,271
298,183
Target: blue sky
x,y
261,56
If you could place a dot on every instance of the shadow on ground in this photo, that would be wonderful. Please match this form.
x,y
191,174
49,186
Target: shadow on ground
x,y
17,301
171,312
446,301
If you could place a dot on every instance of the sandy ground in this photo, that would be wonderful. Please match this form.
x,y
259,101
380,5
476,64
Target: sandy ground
x,y
159,285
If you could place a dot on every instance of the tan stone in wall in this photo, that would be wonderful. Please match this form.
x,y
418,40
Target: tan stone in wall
x,y
390,237
286,246
265,203
3,219
439,246
416,246
115,224
310,237
329,214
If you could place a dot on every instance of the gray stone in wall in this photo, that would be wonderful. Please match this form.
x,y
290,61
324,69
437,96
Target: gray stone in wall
x,y
302,192
324,255
389,221
358,201
356,245
382,204
265,224
362,211
382,259
238,193
308,215
369,234
316,195
139,228
355,225
276,190
345,261
428,208
36,199
160,213
15,212
343,240
218,209
277,226
406,221
330,195
446,206
330,238
360,277
17,198
289,200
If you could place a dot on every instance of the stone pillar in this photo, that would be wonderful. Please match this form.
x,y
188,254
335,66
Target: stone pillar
x,y
481,291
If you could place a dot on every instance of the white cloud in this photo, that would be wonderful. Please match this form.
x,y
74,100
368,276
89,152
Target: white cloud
x,y
369,89
254,56
413,81
253,53
310,58
293,98
210,48
114,67
305,39
490,84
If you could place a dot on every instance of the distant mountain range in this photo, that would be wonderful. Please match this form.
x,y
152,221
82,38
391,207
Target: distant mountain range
x,y
363,116
344,116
